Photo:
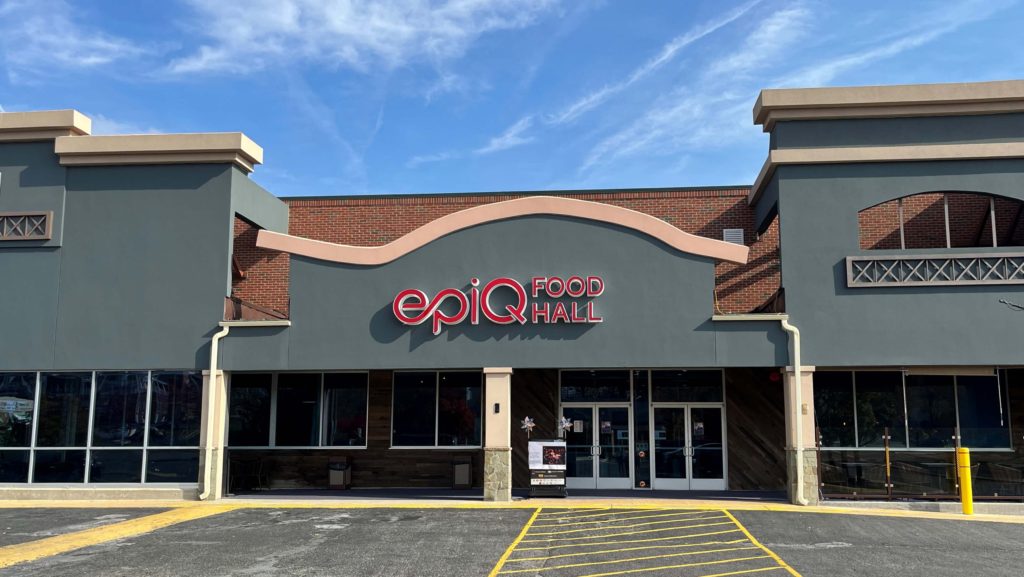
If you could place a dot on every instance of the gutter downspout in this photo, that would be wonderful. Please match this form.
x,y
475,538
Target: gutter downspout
x,y
794,334
211,399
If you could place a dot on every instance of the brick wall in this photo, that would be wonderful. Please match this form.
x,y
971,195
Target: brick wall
x,y
376,220
924,222
259,276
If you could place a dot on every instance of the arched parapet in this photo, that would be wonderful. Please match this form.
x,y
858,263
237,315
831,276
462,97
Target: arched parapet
x,y
520,207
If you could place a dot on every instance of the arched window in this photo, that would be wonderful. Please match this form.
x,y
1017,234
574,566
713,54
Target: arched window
x,y
942,220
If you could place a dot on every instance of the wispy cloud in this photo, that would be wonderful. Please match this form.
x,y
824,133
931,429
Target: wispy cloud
x,y
418,160
102,124
43,38
356,34
511,138
667,53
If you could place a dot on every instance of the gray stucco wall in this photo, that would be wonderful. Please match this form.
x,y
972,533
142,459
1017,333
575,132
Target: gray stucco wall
x,y
31,179
656,307
943,325
898,131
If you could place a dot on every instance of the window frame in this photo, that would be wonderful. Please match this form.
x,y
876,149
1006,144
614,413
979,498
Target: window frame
x,y
437,412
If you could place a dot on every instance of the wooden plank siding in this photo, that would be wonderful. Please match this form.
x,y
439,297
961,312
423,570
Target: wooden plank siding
x,y
534,395
755,430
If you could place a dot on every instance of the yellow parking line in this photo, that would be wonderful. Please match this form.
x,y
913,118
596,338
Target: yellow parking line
x,y
629,560
612,527
701,564
24,552
574,517
632,532
770,553
623,542
622,519
512,546
610,551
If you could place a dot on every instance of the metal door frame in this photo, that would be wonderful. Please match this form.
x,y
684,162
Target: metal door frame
x,y
595,443
688,484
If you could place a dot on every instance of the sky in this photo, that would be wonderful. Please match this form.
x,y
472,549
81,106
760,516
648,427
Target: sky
x,y
415,96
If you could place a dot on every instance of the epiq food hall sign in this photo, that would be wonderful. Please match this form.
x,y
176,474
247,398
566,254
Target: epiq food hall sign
x,y
562,301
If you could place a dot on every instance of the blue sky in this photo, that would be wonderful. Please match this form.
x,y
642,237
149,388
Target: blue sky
x,y
397,96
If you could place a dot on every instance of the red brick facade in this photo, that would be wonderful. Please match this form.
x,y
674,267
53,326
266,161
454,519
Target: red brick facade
x,y
376,220
924,222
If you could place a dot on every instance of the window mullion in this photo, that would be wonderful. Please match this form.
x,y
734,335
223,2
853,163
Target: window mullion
x,y
88,434
906,419
437,406
945,211
35,427
323,419
145,423
903,238
992,217
856,428
956,412
272,438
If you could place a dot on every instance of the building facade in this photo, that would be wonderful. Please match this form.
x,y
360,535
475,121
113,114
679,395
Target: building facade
x,y
835,330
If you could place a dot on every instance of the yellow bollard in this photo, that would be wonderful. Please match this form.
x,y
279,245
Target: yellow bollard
x,y
963,466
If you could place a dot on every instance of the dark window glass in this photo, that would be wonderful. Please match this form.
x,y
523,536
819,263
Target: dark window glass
x,y
249,408
931,410
113,466
14,466
458,408
641,431
175,409
298,410
17,397
172,466
119,419
880,406
686,386
983,419
345,400
595,386
63,410
59,467
833,408
413,413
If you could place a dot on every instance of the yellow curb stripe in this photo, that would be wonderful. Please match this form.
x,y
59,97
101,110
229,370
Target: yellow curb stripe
x,y
512,546
770,553
680,514
32,550
633,532
630,560
610,551
613,527
702,564
625,541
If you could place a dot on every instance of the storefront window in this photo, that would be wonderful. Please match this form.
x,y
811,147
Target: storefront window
x,y
59,466
595,386
17,399
413,416
175,411
833,408
249,406
982,406
119,416
880,407
298,409
931,410
172,466
63,410
345,402
458,409
113,466
686,386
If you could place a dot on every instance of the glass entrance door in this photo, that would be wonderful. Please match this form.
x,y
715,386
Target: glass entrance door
x,y
689,445
598,445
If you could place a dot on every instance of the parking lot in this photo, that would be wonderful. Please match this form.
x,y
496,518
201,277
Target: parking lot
x,y
408,541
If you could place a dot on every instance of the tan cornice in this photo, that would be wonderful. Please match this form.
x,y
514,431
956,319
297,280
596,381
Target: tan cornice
x,y
42,125
906,153
888,101
216,147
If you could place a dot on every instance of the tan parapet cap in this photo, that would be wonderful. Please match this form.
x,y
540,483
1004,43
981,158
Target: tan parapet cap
x,y
888,101
210,147
42,125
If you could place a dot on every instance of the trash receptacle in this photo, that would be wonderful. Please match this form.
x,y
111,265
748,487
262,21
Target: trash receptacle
x,y
339,473
462,473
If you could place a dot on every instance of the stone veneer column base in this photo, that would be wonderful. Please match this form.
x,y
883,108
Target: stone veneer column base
x,y
810,475
497,474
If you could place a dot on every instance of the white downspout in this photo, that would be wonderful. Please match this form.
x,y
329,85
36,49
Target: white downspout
x,y
211,403
798,369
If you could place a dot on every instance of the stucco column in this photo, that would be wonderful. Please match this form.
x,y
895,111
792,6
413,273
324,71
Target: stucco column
x,y
211,453
498,434
802,417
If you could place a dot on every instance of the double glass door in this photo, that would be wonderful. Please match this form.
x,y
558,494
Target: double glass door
x,y
689,442
598,444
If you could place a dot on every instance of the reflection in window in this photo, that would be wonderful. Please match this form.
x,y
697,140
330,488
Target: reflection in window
x,y
413,417
59,466
14,466
833,408
17,398
114,466
687,386
249,405
458,408
345,403
172,466
175,410
298,410
119,417
982,407
63,410
880,406
595,386
931,410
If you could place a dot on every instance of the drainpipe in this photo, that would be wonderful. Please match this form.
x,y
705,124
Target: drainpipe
x,y
211,401
794,337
